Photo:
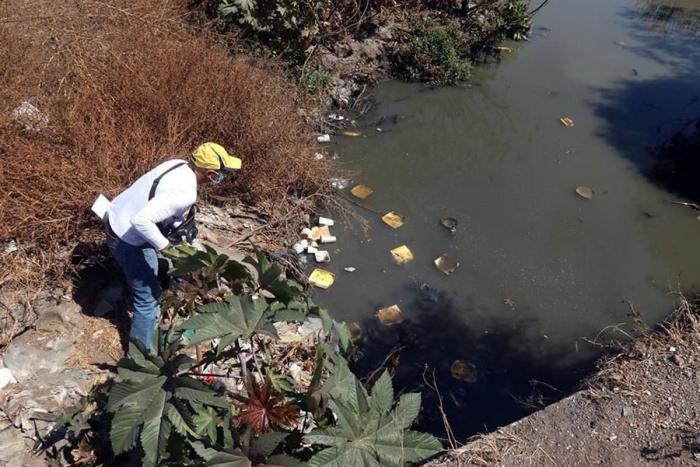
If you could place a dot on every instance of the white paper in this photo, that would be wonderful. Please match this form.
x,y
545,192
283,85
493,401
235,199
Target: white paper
x,y
100,206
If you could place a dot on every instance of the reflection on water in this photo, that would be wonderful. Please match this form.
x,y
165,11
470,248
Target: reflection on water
x,y
665,16
540,266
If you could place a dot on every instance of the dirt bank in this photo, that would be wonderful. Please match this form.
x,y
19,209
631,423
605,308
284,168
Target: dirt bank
x,y
641,408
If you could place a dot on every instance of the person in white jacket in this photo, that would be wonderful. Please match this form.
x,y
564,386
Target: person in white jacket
x,y
138,218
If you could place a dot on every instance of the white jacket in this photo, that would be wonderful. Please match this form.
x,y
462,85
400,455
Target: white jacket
x,y
133,217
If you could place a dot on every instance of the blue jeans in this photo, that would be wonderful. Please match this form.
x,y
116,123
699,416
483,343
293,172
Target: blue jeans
x,y
140,265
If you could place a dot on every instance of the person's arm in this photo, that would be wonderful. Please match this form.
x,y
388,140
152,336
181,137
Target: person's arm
x,y
163,206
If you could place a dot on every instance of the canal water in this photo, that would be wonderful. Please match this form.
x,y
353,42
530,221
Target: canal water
x,y
539,266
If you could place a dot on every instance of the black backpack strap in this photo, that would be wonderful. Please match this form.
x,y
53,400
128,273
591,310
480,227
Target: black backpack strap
x,y
152,193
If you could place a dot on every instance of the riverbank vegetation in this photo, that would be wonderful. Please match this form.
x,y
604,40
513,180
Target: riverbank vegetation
x,y
262,393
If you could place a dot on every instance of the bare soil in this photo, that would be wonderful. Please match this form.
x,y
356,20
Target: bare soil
x,y
640,409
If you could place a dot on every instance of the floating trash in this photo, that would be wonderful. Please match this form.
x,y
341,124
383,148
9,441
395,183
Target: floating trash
x,y
351,133
446,264
328,239
361,191
337,118
509,303
504,49
393,219
311,250
390,315
355,332
584,192
325,221
464,371
402,254
318,232
321,278
318,156
567,121
305,232
350,269
450,223
322,256
323,138
340,183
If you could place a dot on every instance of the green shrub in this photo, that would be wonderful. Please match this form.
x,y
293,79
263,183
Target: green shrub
x,y
517,19
437,54
161,411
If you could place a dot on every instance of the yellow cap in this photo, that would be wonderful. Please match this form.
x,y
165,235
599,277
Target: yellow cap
x,y
213,156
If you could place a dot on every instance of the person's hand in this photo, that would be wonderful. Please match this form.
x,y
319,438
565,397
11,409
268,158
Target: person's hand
x,y
167,247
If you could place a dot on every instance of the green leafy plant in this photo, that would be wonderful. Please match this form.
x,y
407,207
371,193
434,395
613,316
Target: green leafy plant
x,y
370,431
517,19
436,53
163,413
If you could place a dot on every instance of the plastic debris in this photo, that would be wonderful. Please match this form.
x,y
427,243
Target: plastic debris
x,y
350,269
340,183
351,133
379,129
322,256
402,254
325,221
450,223
31,117
361,191
11,246
305,232
317,232
337,118
311,250
464,371
328,239
567,121
321,278
584,192
318,156
504,49
323,138
390,315
6,377
446,264
393,219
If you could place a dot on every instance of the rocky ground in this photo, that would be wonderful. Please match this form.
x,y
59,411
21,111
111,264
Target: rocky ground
x,y
641,408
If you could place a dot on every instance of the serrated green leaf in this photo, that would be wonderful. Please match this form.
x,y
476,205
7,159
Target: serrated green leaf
x,y
326,320
340,385
206,422
179,418
151,432
137,392
344,334
238,316
285,314
414,447
282,460
124,431
407,409
264,445
270,275
383,394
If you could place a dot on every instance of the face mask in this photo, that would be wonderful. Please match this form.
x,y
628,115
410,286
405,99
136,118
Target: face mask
x,y
220,178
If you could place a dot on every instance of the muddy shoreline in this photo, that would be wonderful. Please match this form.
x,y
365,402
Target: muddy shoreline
x,y
640,407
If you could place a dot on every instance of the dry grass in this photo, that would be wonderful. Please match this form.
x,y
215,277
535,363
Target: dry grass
x,y
125,85
99,343
486,450
619,372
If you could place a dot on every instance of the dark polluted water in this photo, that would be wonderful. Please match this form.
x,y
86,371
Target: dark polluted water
x,y
540,267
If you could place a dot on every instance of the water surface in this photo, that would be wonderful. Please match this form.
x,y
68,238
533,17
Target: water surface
x,y
540,266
